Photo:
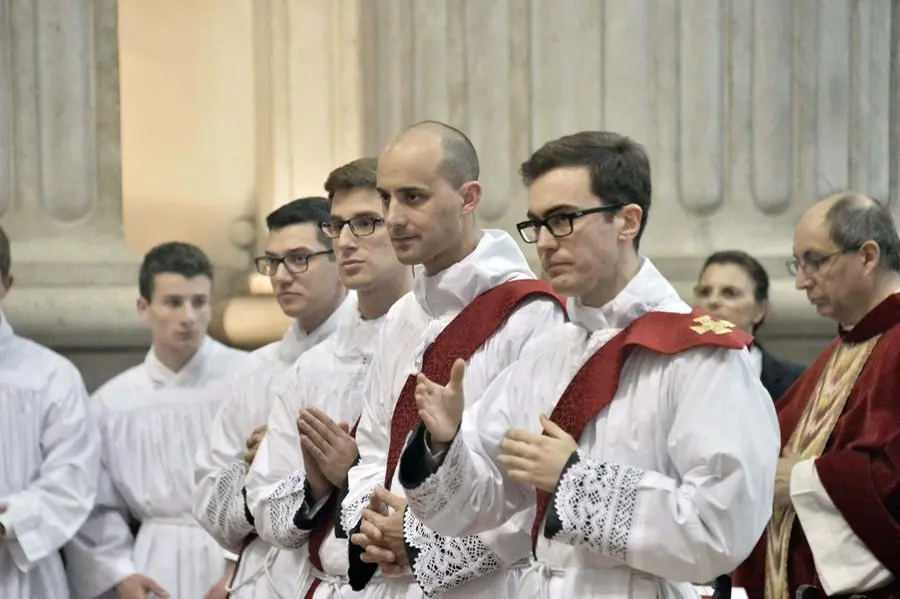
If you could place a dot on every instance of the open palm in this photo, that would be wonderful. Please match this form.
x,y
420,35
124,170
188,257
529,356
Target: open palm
x,y
441,407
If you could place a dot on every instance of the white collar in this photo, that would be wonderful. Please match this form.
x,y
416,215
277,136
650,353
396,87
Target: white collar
x,y
296,341
647,292
189,375
495,260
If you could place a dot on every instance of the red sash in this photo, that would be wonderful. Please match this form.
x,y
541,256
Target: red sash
x,y
460,339
594,386
317,537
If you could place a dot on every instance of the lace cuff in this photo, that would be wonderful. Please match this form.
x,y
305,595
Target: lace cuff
x,y
226,512
593,506
340,531
285,501
431,493
443,563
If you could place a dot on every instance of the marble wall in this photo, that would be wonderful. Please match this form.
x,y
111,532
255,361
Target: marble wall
x,y
750,110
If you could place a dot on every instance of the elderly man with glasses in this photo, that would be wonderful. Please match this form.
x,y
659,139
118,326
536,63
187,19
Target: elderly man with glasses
x,y
836,522
299,261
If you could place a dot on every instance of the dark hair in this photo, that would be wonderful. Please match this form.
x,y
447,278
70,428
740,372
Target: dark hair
x,y
854,219
174,257
312,209
5,254
618,167
751,266
459,164
361,173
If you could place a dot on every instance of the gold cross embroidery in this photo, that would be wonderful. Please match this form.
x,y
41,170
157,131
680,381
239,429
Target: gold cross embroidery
x,y
705,324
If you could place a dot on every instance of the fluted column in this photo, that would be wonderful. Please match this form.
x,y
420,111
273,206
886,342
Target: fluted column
x,y
60,174
308,120
750,109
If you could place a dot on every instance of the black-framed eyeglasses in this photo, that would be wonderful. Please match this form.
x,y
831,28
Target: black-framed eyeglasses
x,y
560,224
360,226
293,263
812,264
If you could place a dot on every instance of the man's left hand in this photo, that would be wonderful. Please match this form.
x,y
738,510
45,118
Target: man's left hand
x,y
534,459
786,464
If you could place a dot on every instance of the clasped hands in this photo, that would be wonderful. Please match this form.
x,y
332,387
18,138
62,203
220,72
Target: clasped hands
x,y
381,532
530,458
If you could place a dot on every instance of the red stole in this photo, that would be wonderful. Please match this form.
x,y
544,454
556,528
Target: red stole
x,y
465,334
594,386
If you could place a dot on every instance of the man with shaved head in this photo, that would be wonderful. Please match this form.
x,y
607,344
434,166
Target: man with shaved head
x,y
474,298
836,517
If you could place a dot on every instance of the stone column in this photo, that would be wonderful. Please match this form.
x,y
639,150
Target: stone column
x,y
750,109
308,107
60,174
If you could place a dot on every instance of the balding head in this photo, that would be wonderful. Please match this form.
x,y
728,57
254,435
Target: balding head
x,y
458,158
854,219
846,255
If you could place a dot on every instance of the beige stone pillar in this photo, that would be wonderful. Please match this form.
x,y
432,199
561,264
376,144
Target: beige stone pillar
x,y
60,174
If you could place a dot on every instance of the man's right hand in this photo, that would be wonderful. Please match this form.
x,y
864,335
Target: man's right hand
x,y
138,586
441,408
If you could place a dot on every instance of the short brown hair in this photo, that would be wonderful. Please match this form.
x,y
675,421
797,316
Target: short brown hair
x,y
357,174
618,167
5,254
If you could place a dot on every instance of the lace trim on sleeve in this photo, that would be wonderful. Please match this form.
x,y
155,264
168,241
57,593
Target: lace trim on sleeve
x,y
432,496
286,500
351,513
225,512
594,506
443,563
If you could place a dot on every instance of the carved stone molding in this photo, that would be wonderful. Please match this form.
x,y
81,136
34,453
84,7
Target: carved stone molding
x,y
61,195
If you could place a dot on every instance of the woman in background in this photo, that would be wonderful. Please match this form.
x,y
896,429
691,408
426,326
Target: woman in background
x,y
734,286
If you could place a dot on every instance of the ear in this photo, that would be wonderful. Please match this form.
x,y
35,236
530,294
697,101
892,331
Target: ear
x,y
628,221
143,310
471,196
762,308
871,255
5,284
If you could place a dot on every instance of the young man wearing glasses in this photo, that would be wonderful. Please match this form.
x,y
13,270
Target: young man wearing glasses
x,y
474,297
639,429
308,448
299,261
835,523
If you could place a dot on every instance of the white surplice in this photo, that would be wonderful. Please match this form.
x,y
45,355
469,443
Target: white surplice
x,y
671,483
480,564
49,463
151,421
329,378
220,471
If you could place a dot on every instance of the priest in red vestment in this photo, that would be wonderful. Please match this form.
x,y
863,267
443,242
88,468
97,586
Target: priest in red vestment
x,y
836,517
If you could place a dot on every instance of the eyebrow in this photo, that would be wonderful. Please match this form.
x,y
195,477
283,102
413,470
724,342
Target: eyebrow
x,y
296,250
366,213
555,210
